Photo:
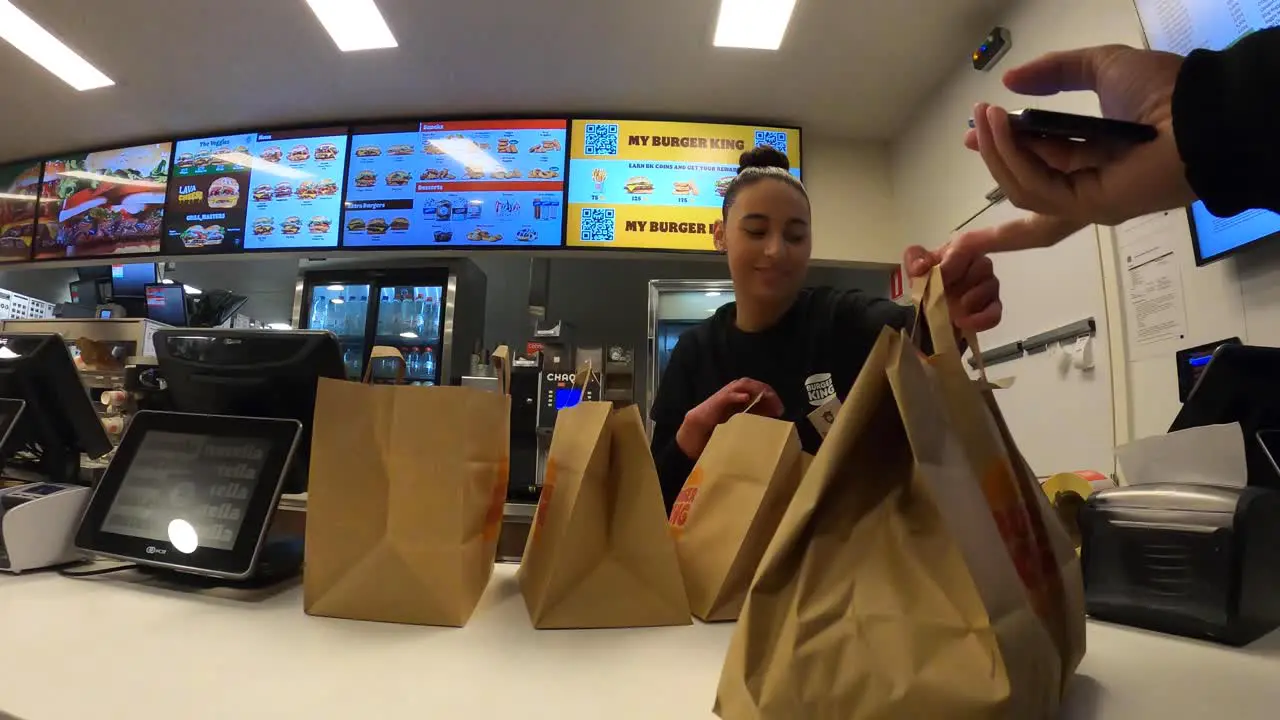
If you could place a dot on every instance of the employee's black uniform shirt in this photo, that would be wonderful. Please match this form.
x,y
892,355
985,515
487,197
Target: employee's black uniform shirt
x,y
814,352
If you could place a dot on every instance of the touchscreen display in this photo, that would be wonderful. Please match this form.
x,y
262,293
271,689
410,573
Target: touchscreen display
x,y
658,185
19,184
179,483
477,183
256,191
103,203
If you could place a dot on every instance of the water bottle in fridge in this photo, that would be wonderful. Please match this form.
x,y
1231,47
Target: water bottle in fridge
x,y
363,307
350,316
413,363
428,365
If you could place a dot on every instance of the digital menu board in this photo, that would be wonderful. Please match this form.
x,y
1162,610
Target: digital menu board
x,y
19,186
256,191
658,185
488,183
103,203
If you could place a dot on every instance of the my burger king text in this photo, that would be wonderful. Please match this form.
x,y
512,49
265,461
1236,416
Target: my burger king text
x,y
682,228
686,142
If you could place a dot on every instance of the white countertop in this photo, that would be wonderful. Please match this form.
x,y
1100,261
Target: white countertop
x,y
112,650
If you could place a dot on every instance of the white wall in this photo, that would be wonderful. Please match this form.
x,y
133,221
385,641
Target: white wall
x,y
855,218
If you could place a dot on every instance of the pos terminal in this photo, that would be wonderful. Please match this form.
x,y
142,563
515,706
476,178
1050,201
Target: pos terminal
x,y
193,489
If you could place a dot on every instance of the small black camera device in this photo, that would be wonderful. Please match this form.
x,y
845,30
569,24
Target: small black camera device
x,y
994,46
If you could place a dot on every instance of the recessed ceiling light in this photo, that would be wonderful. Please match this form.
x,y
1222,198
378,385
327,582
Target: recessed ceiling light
x,y
36,43
756,24
353,24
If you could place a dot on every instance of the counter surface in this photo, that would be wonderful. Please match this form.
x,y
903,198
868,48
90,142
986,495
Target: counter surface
x,y
129,651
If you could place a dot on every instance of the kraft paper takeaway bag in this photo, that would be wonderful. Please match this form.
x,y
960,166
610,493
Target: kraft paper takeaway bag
x,y
729,508
405,500
599,554
890,590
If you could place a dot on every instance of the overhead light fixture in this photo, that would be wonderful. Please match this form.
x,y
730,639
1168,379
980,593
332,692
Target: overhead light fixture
x,y
336,288
38,44
409,335
713,293
754,24
353,24
279,326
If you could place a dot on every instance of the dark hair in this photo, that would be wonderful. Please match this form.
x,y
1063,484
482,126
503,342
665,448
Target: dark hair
x,y
757,164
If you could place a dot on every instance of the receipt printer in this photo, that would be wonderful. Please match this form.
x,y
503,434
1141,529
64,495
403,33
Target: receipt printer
x,y
38,525
1195,560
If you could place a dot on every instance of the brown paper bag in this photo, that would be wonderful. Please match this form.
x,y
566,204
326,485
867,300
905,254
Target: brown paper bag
x,y
405,500
599,554
890,590
729,508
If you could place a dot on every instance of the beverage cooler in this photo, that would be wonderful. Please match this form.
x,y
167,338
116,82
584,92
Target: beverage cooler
x,y
674,307
434,315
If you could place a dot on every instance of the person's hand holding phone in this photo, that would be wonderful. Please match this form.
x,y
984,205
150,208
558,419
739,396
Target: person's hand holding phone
x,y
737,396
1090,182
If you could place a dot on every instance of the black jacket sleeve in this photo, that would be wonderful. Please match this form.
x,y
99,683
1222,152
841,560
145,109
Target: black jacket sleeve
x,y
675,398
1226,119
864,316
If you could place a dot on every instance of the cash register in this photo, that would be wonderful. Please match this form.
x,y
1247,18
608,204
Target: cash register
x,y
193,489
1198,560
46,422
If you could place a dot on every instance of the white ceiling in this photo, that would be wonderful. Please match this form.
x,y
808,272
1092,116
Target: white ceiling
x,y
847,68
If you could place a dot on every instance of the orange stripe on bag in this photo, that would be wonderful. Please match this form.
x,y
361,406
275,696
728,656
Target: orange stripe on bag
x,y
1014,524
497,502
544,499
684,503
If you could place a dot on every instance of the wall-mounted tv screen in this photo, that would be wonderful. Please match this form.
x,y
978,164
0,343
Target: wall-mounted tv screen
x,y
641,184
19,187
1181,26
463,183
256,191
103,203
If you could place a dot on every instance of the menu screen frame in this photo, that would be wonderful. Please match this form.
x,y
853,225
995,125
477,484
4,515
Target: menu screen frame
x,y
693,148
19,218
514,148
281,161
91,202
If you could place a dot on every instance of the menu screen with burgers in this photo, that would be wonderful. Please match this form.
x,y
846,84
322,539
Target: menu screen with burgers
x,y
19,186
103,203
256,191
465,183
658,185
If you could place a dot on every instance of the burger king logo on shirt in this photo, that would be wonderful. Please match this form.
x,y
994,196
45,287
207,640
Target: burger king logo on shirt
x,y
820,388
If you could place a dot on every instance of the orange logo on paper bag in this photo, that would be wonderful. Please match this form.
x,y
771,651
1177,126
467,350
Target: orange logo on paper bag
x,y
497,502
684,502
1014,524
544,500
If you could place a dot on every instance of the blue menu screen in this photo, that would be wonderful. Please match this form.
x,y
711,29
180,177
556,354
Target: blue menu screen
x,y
469,183
256,191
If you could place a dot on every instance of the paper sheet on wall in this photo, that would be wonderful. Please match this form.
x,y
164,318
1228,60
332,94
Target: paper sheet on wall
x,y
1155,306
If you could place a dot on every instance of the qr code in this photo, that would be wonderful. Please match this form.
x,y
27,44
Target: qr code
x,y
597,224
601,139
772,138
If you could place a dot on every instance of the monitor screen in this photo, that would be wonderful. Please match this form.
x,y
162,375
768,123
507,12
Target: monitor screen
x,y
568,397
19,186
465,183
132,279
256,191
1181,26
167,304
657,185
189,485
104,203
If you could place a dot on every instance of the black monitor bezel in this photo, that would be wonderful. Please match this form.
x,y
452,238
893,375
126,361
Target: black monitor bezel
x,y
236,564
182,292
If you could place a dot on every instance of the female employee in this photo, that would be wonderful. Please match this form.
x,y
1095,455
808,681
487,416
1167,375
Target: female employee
x,y
795,347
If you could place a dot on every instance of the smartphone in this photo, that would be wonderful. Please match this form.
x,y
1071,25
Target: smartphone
x,y
1080,128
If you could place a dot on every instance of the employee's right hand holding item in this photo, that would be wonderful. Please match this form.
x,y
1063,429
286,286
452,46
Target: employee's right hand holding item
x,y
737,396
1090,182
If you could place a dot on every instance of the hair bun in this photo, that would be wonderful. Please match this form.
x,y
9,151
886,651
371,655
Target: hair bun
x,y
763,156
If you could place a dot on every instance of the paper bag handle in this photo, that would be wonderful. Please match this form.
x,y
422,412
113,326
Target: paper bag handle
x,y
930,298
380,352
585,374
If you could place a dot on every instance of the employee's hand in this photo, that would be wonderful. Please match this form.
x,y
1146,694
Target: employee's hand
x,y
1090,182
973,290
700,422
